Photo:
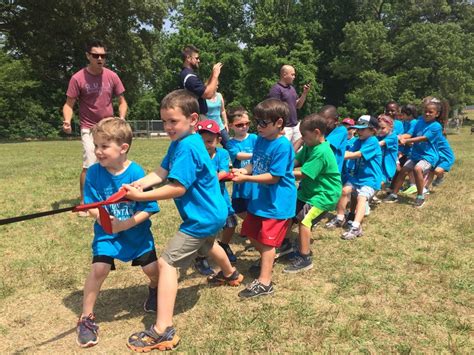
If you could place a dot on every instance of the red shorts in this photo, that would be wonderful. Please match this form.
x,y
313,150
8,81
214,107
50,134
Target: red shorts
x,y
267,231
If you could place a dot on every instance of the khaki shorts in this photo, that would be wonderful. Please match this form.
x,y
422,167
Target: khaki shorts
x,y
182,249
88,155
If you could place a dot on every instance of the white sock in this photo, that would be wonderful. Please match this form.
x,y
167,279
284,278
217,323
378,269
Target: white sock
x,y
356,224
340,217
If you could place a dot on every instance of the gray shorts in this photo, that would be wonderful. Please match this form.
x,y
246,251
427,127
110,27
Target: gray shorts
x,y
88,154
423,164
365,191
182,249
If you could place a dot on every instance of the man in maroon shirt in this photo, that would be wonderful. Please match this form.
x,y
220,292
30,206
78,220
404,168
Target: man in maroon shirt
x,y
94,87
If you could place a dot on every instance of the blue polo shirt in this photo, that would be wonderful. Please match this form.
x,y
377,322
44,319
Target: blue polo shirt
x,y
426,150
338,141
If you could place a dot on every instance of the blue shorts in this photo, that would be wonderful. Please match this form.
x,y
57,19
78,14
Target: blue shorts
x,y
365,191
444,164
240,205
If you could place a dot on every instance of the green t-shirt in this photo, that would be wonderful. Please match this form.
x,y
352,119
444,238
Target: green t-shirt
x,y
322,185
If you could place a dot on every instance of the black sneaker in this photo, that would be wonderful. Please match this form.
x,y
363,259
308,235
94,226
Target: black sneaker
x,y
299,263
150,303
202,266
285,249
219,279
87,331
419,202
256,288
230,254
148,340
392,198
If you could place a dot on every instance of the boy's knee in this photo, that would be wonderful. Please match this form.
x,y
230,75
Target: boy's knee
x,y
100,270
347,190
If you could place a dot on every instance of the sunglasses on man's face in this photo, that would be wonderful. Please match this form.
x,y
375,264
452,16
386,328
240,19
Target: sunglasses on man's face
x,y
97,56
241,125
262,123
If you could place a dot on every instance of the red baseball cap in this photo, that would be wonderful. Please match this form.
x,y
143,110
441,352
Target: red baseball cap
x,y
348,121
209,126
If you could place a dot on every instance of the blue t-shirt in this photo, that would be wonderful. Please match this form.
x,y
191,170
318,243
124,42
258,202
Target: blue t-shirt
x,y
426,150
398,127
338,141
277,201
190,81
235,147
446,154
389,156
348,164
407,127
131,243
202,207
221,162
367,170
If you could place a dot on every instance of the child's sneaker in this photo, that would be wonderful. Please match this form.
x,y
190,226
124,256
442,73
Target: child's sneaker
x,y
285,249
376,200
335,223
230,254
411,190
352,233
392,198
256,288
438,181
150,303
219,279
148,340
299,263
87,331
202,266
419,202
426,191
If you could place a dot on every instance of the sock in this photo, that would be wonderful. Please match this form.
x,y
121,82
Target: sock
x,y
340,217
355,224
420,196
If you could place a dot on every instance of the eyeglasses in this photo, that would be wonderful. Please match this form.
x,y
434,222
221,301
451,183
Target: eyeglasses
x,y
241,125
263,123
97,55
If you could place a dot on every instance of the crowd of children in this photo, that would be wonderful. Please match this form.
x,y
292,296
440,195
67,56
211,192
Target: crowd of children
x,y
340,167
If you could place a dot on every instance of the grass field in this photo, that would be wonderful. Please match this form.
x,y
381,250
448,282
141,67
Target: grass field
x,y
406,286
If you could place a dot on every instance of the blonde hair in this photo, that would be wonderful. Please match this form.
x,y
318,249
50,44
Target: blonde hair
x,y
114,129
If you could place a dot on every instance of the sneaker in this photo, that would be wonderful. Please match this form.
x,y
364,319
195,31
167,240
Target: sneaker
x,y
426,191
150,303
87,331
353,233
285,248
335,223
148,340
419,202
376,200
230,254
367,209
392,198
438,181
219,279
411,190
256,288
300,263
202,266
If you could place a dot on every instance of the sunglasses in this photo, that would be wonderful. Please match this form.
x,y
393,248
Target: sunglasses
x,y
241,125
263,123
97,56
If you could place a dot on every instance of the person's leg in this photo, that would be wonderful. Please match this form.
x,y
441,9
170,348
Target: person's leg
x,y
344,200
227,234
82,181
94,281
220,257
88,157
419,179
397,184
167,291
360,210
304,239
151,302
429,180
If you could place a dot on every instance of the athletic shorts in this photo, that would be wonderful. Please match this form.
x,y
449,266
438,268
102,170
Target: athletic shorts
x,y
444,164
267,231
307,215
423,164
142,260
88,155
240,205
293,133
182,249
365,191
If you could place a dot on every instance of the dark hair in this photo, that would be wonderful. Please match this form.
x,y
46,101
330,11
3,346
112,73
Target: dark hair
x,y
392,103
182,99
312,122
235,112
188,51
94,43
329,111
409,110
272,109
442,107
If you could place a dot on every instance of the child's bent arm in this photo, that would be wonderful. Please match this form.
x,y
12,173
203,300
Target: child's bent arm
x,y
168,191
137,218
154,178
298,174
244,156
266,178
416,140
353,155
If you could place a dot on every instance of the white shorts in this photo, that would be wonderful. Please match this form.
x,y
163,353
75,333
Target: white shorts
x,y
365,191
423,164
293,133
88,155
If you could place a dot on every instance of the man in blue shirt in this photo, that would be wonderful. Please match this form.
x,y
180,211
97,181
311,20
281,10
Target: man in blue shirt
x,y
190,81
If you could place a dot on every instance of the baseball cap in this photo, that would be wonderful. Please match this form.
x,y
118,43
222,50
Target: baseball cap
x,y
209,126
348,121
366,121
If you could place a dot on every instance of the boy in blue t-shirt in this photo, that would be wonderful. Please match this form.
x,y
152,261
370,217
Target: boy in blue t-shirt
x,y
240,148
425,136
210,133
273,200
364,179
336,134
131,239
193,184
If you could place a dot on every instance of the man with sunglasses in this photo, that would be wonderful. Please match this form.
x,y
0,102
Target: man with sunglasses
x,y
94,87
191,82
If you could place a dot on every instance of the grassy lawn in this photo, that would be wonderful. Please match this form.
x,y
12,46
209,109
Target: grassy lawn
x,y
406,286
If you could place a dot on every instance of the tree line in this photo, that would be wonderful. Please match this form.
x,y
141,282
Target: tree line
x,y
357,54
